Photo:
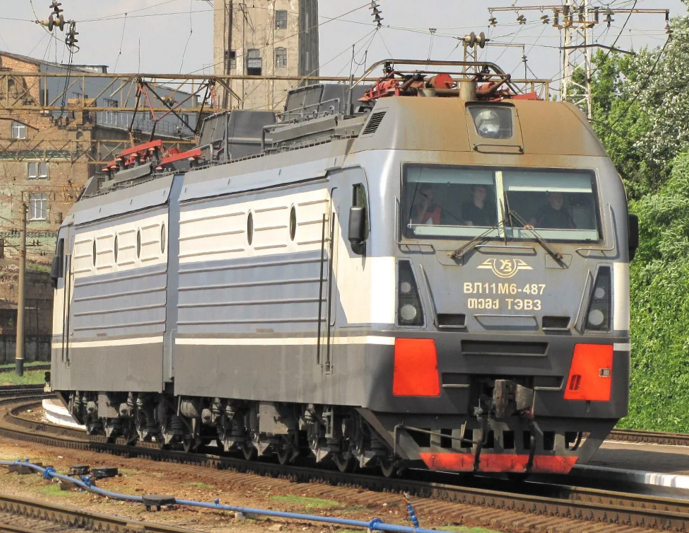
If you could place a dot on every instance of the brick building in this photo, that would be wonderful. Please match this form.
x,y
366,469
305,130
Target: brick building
x,y
46,157
273,37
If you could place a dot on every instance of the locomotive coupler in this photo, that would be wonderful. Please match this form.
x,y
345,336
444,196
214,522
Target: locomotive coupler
x,y
510,398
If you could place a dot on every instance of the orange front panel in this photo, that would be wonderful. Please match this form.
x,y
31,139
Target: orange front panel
x,y
416,368
503,462
590,376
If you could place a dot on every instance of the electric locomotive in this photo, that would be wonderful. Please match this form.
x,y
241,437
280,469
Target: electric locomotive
x,y
430,270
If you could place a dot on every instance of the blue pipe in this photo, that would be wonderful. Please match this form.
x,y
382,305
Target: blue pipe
x,y
374,525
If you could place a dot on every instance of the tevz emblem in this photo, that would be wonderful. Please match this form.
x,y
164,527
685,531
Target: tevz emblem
x,y
505,268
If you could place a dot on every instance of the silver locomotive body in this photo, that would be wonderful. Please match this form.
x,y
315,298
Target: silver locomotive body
x,y
316,300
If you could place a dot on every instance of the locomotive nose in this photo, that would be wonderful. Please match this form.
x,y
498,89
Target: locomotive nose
x,y
493,291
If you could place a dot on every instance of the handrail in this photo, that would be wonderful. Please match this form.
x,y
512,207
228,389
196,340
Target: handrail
x,y
480,64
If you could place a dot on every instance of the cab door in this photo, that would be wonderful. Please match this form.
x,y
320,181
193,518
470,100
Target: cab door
x,y
62,279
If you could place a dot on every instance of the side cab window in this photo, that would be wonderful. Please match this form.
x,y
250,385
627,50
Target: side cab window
x,y
359,227
57,270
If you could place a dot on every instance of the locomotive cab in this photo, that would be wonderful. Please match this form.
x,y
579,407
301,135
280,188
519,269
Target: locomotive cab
x,y
511,249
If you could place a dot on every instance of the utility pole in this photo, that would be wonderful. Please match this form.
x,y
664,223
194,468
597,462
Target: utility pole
x,y
577,19
21,289
228,51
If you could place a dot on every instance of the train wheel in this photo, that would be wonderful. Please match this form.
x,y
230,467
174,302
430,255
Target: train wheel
x,y
160,441
188,444
345,462
132,438
285,456
388,467
131,433
249,451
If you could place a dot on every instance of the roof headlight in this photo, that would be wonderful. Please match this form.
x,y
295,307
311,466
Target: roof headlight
x,y
488,123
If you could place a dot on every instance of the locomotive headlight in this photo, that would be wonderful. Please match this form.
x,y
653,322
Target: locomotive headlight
x,y
492,121
600,306
409,310
488,123
408,313
596,317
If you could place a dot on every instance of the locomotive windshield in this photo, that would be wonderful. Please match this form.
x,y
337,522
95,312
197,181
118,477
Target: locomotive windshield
x,y
457,202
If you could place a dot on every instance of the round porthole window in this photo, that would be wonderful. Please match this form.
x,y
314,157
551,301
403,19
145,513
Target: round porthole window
x,y
163,238
94,252
138,243
292,223
115,249
250,228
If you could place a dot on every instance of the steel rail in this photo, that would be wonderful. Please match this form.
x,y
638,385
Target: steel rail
x,y
76,518
649,437
20,390
548,499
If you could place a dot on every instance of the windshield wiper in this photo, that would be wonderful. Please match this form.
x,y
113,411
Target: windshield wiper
x,y
539,239
473,243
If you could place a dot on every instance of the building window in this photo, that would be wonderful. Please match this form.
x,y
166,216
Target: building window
x,y
38,206
37,170
281,19
254,63
110,102
280,57
18,130
233,59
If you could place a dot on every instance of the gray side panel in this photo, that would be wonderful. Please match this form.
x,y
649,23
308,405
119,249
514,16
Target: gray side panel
x,y
275,373
118,368
274,293
143,196
129,303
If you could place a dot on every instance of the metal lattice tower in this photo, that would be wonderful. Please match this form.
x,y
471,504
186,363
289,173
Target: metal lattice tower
x,y
576,19
577,26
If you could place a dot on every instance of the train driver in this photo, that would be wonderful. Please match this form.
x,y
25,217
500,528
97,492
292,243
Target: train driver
x,y
477,212
424,210
554,214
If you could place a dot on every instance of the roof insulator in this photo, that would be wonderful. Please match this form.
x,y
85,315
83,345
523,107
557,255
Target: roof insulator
x,y
608,16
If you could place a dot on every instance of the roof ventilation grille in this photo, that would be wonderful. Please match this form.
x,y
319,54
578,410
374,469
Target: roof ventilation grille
x,y
373,123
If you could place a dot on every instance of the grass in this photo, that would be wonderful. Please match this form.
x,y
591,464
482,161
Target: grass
x,y
26,365
52,490
37,267
465,529
29,378
129,471
309,503
200,485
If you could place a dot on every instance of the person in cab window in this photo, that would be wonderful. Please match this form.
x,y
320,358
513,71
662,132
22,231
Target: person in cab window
x,y
424,210
554,214
476,212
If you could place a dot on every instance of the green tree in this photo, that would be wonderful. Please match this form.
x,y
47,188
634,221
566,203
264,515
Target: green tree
x,y
640,109
660,308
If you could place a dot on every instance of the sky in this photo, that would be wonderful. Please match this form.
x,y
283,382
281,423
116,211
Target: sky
x,y
175,36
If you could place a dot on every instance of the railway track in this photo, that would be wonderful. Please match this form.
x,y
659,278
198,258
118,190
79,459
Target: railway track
x,y
20,515
552,501
14,391
649,437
